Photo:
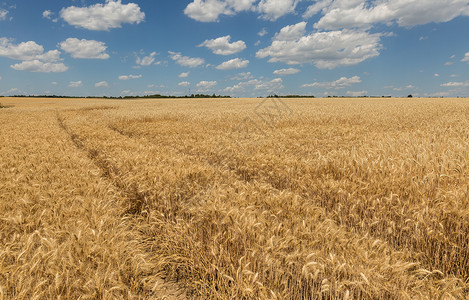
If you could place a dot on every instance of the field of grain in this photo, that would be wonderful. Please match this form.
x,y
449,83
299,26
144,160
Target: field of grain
x,y
234,199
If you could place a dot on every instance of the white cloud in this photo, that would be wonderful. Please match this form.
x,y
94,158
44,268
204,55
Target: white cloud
x,y
147,60
185,60
316,7
291,32
256,84
184,83
27,51
289,71
205,86
263,32
341,14
3,14
184,75
128,77
210,10
75,84
54,83
466,57
206,11
83,48
39,66
240,5
338,84
48,15
323,49
106,16
436,75
357,94
242,76
222,45
271,86
456,84
274,9
101,84
235,63
127,93
241,87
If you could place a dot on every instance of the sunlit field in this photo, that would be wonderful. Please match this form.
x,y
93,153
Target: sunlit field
x,y
234,198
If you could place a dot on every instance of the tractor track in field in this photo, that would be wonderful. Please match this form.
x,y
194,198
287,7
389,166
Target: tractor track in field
x,y
136,199
109,171
329,201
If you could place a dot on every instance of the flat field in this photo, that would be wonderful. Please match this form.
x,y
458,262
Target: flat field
x,y
234,199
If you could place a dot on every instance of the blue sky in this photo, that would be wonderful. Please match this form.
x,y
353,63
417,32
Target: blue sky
x,y
241,48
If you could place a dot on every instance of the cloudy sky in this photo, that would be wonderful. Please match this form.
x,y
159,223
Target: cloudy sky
x,y
235,47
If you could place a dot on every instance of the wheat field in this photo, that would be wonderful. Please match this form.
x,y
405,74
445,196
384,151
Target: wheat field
x,y
234,198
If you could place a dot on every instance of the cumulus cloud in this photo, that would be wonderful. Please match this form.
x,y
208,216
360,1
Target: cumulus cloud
x,y
47,14
338,84
318,6
39,66
186,61
184,83
3,14
83,48
242,86
291,32
75,84
33,57
274,9
255,84
341,14
101,84
326,50
466,57
27,51
184,74
128,77
210,10
262,32
271,86
206,11
235,63
222,45
106,16
289,71
146,60
456,84
205,86
242,76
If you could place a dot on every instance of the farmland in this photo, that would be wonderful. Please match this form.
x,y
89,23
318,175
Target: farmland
x,y
234,198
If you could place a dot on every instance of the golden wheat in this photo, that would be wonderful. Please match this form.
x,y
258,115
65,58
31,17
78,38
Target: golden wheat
x,y
234,199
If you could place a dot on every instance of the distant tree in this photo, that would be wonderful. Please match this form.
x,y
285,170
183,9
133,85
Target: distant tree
x,y
410,96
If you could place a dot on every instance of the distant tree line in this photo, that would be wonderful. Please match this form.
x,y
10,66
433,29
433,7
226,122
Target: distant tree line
x,y
121,97
289,96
